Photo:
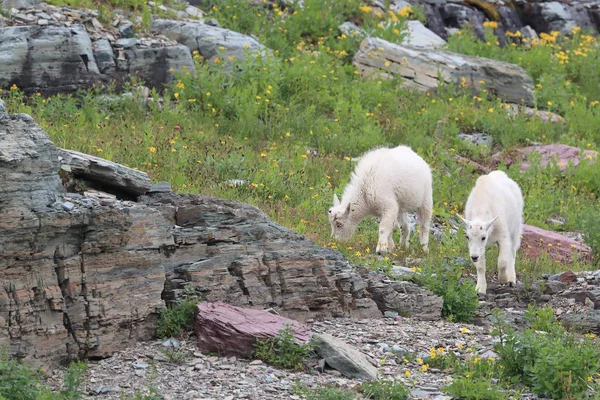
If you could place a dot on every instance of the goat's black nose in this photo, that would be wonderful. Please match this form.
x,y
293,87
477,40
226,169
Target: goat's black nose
x,y
474,258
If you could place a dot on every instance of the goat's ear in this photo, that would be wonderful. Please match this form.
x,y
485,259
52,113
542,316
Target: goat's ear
x,y
488,224
336,201
465,221
347,212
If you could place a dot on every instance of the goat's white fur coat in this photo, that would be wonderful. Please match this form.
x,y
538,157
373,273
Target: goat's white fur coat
x,y
494,215
386,183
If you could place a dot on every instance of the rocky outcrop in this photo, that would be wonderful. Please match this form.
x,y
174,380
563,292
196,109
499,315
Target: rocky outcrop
x,y
233,331
422,69
537,241
52,59
84,273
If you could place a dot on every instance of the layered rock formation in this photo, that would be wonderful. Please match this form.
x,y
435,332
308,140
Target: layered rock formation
x,y
85,273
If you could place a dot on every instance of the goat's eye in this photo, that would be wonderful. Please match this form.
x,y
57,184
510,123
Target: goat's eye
x,y
329,211
483,238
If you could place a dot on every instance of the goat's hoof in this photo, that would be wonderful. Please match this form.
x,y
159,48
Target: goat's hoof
x,y
481,296
382,248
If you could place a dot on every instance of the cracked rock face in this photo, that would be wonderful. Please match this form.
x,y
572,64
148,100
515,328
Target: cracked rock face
x,y
84,274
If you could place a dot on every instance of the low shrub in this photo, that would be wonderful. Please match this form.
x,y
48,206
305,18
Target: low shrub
x,y
384,390
552,361
282,350
460,297
174,321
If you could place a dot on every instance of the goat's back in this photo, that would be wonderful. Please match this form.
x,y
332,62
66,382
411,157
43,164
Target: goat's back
x,y
495,194
398,171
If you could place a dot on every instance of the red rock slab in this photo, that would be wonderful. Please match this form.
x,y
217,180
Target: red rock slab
x,y
561,154
233,331
537,241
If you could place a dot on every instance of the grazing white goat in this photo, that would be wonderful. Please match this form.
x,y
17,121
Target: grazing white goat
x,y
493,215
386,183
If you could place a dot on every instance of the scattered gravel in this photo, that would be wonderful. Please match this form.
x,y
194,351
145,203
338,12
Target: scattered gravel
x,y
386,341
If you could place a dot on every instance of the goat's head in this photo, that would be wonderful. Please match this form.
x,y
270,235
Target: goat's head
x,y
342,227
477,233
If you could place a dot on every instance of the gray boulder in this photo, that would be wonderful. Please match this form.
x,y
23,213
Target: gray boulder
x,y
48,59
158,65
421,70
208,39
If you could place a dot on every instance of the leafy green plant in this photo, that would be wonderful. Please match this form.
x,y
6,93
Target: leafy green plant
x,y
282,350
475,389
19,381
324,393
173,321
73,379
546,357
459,294
384,390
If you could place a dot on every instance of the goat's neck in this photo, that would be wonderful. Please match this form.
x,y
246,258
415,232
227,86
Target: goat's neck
x,y
358,207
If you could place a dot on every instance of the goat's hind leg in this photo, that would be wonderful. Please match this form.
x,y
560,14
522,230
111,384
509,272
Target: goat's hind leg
x,y
425,215
404,226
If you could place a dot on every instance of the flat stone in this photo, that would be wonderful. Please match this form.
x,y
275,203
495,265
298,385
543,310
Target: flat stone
x,y
104,172
161,187
344,358
126,43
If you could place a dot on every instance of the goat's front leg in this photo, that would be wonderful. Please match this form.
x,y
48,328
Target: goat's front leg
x,y
506,264
481,282
386,227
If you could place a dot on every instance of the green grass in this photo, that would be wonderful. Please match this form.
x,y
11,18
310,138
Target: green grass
x,y
290,124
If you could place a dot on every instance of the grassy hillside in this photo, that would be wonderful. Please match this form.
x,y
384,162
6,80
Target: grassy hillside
x,y
290,125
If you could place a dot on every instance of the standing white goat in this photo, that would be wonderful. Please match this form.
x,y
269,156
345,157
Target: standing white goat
x,y
493,215
386,183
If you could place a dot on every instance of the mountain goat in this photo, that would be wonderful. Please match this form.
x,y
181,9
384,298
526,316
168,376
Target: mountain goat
x,y
386,183
493,215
